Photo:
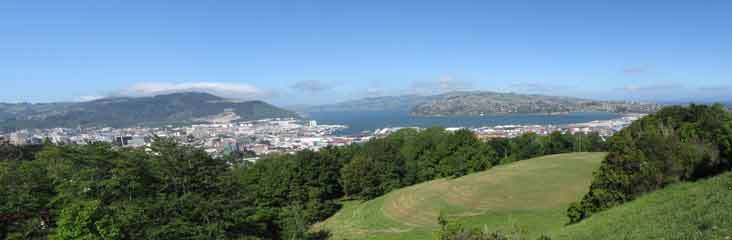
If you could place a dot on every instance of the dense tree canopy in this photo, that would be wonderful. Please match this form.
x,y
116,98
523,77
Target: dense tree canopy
x,y
675,144
95,191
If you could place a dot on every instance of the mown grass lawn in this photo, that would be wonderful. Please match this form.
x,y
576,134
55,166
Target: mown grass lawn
x,y
532,195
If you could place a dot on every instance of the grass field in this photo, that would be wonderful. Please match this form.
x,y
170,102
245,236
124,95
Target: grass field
x,y
699,210
531,194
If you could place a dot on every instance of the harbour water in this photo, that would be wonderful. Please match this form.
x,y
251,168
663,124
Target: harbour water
x,y
359,122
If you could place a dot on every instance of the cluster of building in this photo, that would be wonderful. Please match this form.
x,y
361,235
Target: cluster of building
x,y
267,136
255,137
604,128
261,137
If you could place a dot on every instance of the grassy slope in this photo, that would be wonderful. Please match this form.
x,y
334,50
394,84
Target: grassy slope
x,y
700,210
533,193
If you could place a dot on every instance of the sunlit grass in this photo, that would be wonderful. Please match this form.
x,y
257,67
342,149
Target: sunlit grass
x,y
532,194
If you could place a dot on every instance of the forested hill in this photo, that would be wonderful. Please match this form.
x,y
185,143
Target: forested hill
x,y
126,111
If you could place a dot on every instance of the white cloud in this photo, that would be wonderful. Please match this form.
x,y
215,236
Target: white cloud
x,y
715,88
661,87
634,70
375,92
88,98
311,86
535,87
227,90
445,83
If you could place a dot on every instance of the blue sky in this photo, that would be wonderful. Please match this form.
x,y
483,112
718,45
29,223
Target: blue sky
x,y
310,52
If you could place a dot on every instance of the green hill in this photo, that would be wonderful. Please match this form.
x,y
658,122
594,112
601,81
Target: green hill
x,y
175,108
532,194
473,103
696,210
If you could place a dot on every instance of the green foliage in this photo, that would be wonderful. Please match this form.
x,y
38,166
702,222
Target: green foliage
x,y
85,220
676,144
307,179
360,178
532,145
25,191
167,191
295,224
455,231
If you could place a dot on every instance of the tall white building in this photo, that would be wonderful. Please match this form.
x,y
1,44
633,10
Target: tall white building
x,y
18,138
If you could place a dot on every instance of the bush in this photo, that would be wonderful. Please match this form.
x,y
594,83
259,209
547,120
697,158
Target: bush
x,y
455,231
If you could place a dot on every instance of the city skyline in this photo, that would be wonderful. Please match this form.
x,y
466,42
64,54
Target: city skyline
x,y
329,51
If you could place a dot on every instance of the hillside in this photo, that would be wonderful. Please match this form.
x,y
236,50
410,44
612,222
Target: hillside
x,y
125,111
477,103
532,193
482,102
676,144
696,210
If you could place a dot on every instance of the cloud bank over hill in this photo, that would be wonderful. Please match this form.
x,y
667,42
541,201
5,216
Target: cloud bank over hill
x,y
227,90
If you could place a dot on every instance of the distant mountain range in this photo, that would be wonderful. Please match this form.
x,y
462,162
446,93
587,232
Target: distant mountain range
x,y
467,103
176,108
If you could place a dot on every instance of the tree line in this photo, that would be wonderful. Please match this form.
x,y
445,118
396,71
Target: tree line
x,y
174,191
